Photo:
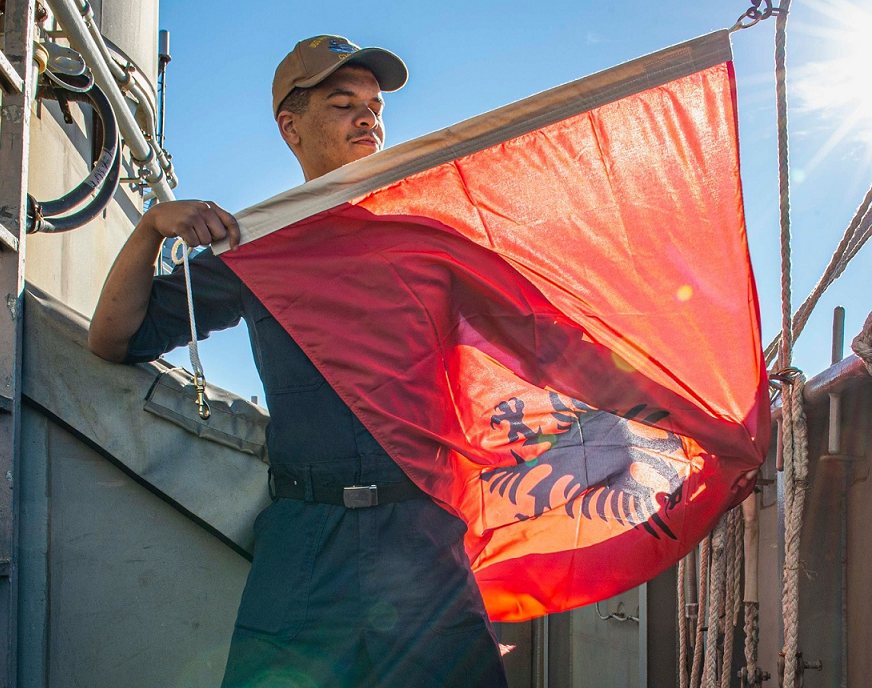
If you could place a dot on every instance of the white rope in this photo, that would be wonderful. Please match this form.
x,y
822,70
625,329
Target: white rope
x,y
180,256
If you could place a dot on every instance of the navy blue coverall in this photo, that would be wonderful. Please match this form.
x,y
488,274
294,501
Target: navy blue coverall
x,y
336,597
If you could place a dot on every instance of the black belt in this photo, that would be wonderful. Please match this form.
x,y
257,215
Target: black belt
x,y
351,497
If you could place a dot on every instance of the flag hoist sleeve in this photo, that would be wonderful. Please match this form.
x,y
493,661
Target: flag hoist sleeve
x,y
547,316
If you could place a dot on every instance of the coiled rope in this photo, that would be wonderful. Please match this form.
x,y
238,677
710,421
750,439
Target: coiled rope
x,y
862,344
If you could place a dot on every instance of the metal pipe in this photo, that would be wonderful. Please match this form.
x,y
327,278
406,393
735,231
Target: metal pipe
x,y
73,24
834,379
691,595
163,59
128,80
835,448
834,441
838,334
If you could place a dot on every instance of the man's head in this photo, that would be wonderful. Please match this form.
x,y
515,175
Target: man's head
x,y
327,101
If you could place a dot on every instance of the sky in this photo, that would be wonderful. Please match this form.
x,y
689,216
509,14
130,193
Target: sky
x,y
466,58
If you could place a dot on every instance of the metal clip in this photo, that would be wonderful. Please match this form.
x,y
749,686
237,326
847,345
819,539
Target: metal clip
x,y
755,681
801,667
755,14
202,402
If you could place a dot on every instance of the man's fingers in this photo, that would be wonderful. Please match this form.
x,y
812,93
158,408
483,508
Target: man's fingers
x,y
198,223
213,222
203,235
230,224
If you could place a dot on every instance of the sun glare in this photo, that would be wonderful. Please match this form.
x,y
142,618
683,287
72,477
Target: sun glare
x,y
835,82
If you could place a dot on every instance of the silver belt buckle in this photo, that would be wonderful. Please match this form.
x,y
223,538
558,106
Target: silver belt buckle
x,y
360,496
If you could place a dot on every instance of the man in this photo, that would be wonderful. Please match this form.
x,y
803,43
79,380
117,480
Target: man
x,y
340,593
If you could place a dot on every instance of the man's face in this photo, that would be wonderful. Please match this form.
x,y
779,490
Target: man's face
x,y
342,123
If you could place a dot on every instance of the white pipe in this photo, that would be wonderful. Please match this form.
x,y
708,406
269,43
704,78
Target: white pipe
x,y
129,81
70,18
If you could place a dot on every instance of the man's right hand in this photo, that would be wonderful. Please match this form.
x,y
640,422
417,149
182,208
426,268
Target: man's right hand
x,y
197,223
124,300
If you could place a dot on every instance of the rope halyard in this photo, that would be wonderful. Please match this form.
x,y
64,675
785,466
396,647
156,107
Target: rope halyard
x,y
733,589
682,625
793,427
795,444
199,378
704,550
783,182
751,675
716,603
752,640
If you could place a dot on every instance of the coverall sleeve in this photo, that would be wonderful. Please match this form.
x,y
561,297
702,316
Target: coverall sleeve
x,y
217,306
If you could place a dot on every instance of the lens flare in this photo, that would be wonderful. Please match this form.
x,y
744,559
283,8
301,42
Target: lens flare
x,y
835,85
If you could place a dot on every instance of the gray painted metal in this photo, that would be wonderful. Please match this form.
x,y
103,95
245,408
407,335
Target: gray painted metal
x,y
14,148
117,587
133,25
82,41
847,373
222,488
33,628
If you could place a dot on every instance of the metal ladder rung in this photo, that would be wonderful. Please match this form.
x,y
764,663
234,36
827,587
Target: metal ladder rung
x,y
10,79
8,239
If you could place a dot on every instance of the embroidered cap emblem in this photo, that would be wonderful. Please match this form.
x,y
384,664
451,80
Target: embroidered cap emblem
x,y
338,47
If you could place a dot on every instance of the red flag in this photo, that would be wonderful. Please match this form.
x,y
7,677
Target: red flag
x,y
547,317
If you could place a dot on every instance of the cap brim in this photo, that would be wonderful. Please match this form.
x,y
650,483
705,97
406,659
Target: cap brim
x,y
388,69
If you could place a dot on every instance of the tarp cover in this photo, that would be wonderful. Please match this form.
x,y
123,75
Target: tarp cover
x,y
547,317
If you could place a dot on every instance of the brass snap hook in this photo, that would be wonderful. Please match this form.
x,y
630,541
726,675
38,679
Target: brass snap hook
x,y
203,408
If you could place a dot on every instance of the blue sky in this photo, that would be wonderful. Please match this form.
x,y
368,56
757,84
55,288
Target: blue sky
x,y
466,58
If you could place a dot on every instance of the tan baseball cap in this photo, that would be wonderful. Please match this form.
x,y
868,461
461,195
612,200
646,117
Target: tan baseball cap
x,y
314,59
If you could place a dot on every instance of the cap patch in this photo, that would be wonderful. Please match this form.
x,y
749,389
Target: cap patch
x,y
338,47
